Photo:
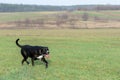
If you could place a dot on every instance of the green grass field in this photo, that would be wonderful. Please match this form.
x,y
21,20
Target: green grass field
x,y
85,54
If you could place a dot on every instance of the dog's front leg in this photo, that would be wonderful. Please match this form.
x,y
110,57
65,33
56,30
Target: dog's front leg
x,y
43,59
32,59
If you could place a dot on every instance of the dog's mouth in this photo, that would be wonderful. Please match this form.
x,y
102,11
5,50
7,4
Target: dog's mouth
x,y
47,56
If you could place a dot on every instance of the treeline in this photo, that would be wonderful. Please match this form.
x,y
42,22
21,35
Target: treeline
x,y
99,7
26,8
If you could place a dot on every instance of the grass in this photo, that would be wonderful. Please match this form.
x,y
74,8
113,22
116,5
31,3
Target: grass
x,y
86,54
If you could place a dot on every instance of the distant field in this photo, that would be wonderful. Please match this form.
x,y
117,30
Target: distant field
x,y
16,16
113,15
13,16
84,54
63,19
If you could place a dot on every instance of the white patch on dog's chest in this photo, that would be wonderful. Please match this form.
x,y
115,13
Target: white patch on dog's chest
x,y
40,57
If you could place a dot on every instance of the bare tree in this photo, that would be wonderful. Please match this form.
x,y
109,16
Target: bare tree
x,y
41,22
85,16
27,23
61,19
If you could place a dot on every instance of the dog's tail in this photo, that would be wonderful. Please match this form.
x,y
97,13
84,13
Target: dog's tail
x,y
18,43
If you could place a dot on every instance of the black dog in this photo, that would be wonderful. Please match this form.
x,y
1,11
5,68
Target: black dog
x,y
34,52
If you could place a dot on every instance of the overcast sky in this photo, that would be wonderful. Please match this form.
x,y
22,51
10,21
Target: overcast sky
x,y
62,2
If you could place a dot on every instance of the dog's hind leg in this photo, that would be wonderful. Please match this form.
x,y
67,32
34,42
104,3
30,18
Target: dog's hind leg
x,y
27,62
46,63
25,59
24,56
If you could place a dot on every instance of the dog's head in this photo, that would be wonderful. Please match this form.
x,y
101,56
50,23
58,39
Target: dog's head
x,y
45,51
